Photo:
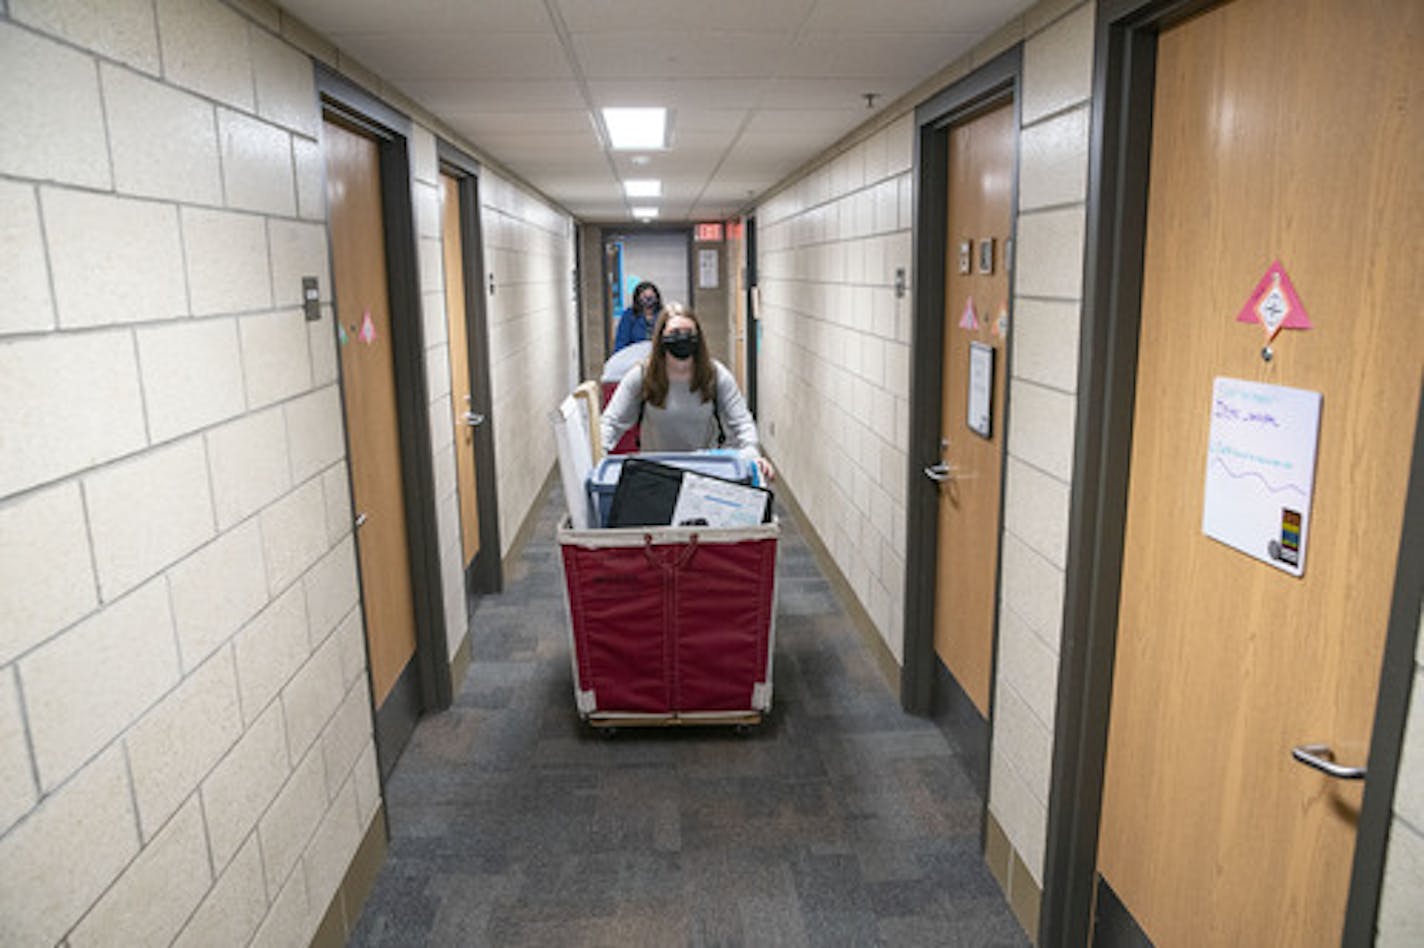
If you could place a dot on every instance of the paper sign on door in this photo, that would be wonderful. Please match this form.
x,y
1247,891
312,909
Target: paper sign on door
x,y
1260,470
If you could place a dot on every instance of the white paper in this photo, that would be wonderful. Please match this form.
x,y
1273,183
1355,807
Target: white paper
x,y
981,387
1260,470
720,503
570,422
707,269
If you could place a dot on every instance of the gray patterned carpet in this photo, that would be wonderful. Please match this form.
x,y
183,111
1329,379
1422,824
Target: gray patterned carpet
x,y
839,821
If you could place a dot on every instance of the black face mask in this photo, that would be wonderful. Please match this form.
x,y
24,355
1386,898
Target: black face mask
x,y
648,304
681,344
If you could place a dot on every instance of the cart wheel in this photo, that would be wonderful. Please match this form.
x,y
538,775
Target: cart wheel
x,y
742,730
608,733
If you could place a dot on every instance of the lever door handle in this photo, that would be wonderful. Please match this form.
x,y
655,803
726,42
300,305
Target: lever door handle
x,y
360,520
1322,758
939,473
472,419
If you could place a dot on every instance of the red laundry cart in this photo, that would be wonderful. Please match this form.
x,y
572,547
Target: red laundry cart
x,y
671,625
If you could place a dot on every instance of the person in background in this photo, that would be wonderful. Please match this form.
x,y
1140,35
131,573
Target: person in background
x,y
636,323
684,399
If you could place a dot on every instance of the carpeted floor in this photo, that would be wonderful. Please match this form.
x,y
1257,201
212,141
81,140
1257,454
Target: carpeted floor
x,y
839,821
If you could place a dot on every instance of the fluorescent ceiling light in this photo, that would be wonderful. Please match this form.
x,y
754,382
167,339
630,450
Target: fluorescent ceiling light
x,y
645,213
643,188
634,129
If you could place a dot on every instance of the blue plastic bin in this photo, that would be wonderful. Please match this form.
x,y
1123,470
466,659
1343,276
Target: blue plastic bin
x,y
603,479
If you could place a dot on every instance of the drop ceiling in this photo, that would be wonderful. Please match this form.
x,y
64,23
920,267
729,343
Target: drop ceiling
x,y
755,88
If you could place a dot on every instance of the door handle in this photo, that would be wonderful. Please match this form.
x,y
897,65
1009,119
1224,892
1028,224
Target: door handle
x,y
939,473
360,521
1322,758
472,419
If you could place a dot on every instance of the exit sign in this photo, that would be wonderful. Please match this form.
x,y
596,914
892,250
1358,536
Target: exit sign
x,y
708,233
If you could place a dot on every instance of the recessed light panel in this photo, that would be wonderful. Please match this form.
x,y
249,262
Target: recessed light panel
x,y
636,129
643,188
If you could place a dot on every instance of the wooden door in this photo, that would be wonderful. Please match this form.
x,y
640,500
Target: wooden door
x,y
358,263
981,162
462,411
1305,150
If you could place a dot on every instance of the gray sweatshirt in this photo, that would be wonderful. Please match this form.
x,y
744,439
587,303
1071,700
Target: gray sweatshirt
x,y
684,423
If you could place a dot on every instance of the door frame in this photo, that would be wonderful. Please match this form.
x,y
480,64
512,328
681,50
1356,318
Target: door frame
x,y
924,689
1119,159
486,573
749,251
429,688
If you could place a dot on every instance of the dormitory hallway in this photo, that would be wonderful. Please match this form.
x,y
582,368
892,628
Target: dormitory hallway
x,y
1084,337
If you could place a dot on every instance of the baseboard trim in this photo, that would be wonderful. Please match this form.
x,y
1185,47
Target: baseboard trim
x,y
344,911
460,663
1024,895
959,720
865,625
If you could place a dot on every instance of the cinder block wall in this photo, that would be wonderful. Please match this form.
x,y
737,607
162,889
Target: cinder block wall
x,y
185,734
831,241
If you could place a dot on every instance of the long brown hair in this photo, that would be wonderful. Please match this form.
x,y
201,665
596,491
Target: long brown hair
x,y
655,380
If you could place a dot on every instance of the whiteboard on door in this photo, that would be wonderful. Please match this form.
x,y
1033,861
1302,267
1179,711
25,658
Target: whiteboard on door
x,y
1260,470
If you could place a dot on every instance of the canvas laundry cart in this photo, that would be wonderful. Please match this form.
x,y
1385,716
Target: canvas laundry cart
x,y
667,625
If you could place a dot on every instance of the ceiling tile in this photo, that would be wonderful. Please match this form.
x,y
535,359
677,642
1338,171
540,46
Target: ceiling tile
x,y
382,16
943,16
830,93
454,96
848,55
458,54
649,55
677,94
834,121
622,16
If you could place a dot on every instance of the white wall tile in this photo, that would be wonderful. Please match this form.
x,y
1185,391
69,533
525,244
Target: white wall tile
x,y
331,589
39,379
270,650
17,783
1036,508
120,29
249,465
348,735
180,739
1409,787
287,924
329,854
256,164
289,822
147,512
1053,161
1400,922
1023,819
54,119
311,180
233,908
424,165
1041,424
1028,665
312,697
114,260
84,834
275,359
321,336
368,786
155,895
46,580
316,438
226,253
1048,258
163,140
1058,65
337,493
216,590
352,637
23,269
192,375
1032,587
294,534
1044,334
244,783
205,48
85,687
298,249
1024,740
286,84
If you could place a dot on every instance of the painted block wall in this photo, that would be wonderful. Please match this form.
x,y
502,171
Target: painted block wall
x,y
830,244
185,735
1401,913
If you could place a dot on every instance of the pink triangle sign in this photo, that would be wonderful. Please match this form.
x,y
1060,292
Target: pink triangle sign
x,y
1275,304
970,318
368,329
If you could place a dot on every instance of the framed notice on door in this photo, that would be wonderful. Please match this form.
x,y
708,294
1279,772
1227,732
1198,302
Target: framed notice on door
x,y
981,388
1260,470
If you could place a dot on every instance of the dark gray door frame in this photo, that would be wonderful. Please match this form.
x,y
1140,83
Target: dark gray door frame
x,y
749,345
1123,84
486,573
987,87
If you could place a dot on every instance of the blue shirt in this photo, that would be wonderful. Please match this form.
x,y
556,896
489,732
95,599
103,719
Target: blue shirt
x,y
632,327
